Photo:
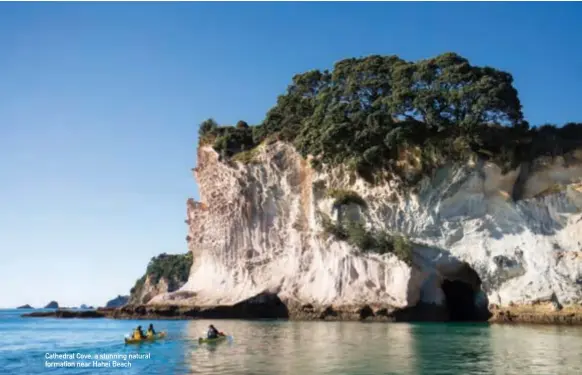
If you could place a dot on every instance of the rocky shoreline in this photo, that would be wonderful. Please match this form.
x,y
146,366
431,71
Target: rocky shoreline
x,y
537,314
300,313
531,314
66,313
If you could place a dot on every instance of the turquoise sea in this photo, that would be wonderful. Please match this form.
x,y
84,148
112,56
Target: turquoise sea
x,y
298,348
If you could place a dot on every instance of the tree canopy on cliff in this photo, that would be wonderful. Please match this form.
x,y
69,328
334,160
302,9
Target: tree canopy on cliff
x,y
367,111
443,91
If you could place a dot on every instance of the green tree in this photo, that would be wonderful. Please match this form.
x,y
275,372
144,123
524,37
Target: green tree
x,y
370,112
447,90
207,126
242,125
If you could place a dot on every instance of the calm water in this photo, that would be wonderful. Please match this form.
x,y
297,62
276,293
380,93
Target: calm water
x,y
304,348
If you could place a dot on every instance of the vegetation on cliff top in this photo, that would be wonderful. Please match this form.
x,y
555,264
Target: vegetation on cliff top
x,y
373,112
174,268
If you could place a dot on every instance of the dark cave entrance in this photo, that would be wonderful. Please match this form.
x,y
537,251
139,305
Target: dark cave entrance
x,y
460,299
461,294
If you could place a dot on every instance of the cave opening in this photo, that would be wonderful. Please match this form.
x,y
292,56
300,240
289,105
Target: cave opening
x,y
464,299
460,299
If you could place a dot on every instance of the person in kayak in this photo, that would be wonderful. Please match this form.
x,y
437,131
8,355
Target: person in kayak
x,y
213,332
138,334
151,331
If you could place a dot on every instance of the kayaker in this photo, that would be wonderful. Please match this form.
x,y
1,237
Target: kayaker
x,y
212,332
151,331
138,333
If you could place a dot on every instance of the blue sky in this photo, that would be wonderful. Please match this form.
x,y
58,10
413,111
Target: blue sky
x,y
99,106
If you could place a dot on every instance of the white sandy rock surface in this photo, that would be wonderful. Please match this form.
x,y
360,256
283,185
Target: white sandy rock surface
x,y
257,229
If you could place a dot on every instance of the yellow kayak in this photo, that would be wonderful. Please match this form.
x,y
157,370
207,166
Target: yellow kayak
x,y
155,337
203,340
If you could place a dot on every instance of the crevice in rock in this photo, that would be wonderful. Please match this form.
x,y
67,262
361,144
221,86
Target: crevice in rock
x,y
519,185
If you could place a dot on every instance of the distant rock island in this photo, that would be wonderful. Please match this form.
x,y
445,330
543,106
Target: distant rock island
x,y
25,307
52,305
117,301
85,307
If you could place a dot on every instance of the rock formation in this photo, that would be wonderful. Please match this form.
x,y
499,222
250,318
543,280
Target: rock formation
x,y
117,301
385,187
25,307
64,313
259,227
165,273
52,305
148,290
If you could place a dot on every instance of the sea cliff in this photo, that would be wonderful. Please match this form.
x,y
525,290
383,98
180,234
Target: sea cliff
x,y
259,228
388,185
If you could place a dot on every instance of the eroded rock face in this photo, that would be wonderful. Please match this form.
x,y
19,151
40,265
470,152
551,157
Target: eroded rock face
x,y
148,291
165,273
258,228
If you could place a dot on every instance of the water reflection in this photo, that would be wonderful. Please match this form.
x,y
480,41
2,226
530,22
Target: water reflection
x,y
461,348
537,349
350,348
305,347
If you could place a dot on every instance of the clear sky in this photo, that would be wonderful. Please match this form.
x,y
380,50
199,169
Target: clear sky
x,y
99,106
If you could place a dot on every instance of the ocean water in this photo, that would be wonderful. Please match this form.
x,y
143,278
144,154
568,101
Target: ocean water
x,y
279,347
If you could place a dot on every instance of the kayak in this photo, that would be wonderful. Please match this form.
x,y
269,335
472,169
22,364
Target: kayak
x,y
155,337
203,340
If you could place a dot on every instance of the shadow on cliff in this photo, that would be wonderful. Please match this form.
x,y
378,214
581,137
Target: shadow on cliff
x,y
535,214
517,214
531,215
261,306
464,300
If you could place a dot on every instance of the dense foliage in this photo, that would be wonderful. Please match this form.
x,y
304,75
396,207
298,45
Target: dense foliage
x,y
369,113
227,140
174,268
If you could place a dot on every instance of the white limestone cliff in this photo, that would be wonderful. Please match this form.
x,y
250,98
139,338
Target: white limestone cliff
x,y
257,229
